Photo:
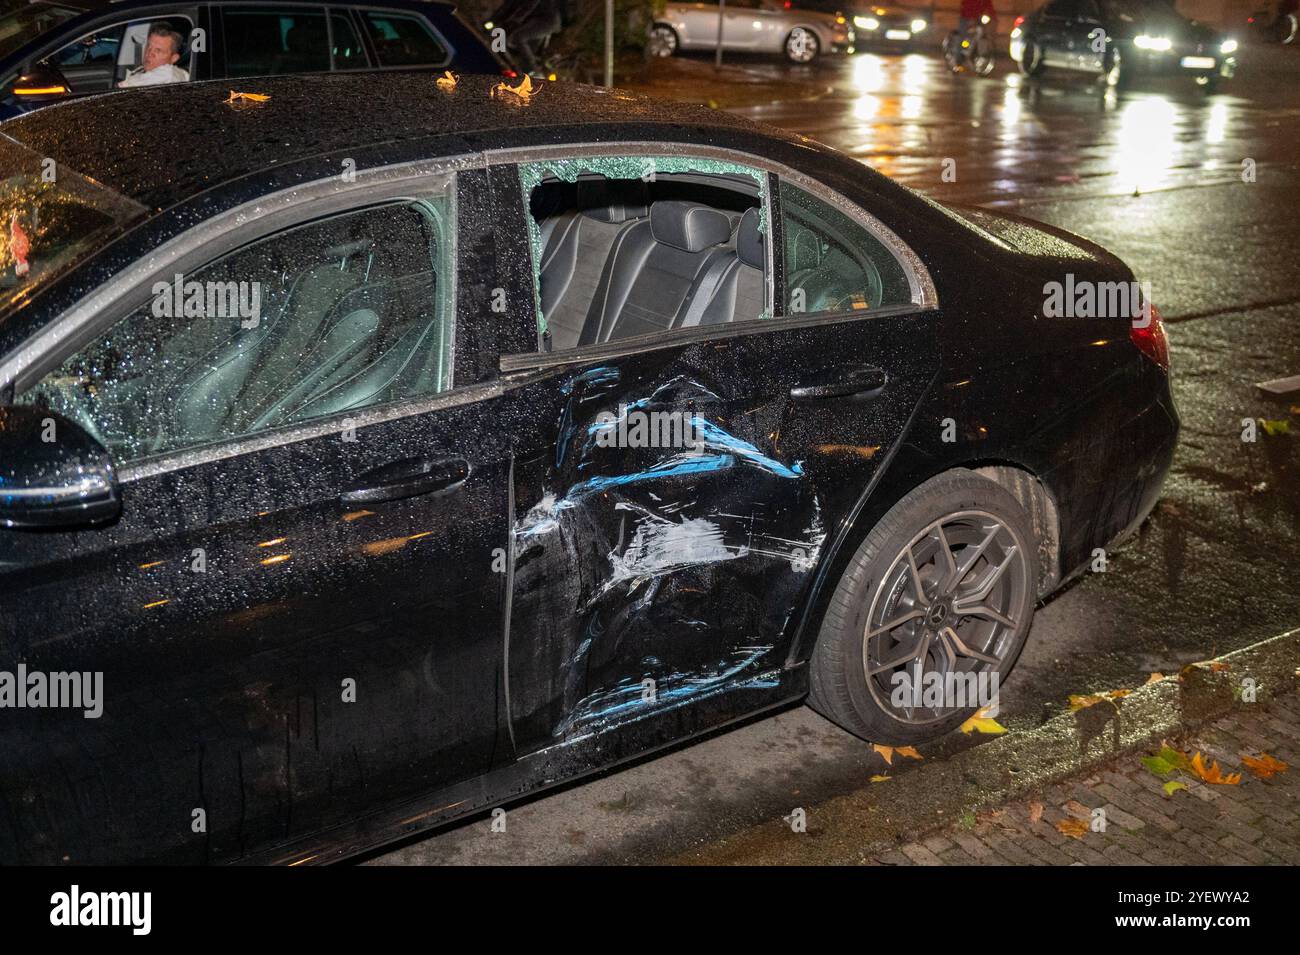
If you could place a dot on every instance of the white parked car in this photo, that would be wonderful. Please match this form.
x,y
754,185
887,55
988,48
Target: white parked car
x,y
753,26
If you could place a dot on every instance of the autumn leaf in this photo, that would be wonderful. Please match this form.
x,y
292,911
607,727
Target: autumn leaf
x,y
1264,766
1166,761
247,97
1154,678
447,81
1083,701
1074,828
1035,811
1213,774
886,751
879,779
982,724
909,751
524,91
1173,786
1275,426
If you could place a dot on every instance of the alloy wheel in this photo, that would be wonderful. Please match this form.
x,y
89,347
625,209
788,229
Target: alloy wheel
x,y
662,42
945,606
801,45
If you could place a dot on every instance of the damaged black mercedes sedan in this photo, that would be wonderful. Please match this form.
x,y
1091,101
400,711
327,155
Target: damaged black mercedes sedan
x,y
373,472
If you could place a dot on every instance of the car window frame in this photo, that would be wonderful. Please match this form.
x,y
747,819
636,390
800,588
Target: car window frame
x,y
924,294
221,235
373,53
110,17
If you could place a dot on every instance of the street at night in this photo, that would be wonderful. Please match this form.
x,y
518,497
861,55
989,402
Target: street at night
x,y
648,435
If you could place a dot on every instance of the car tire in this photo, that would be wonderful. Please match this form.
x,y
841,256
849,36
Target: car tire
x,y
801,46
663,41
1031,59
881,583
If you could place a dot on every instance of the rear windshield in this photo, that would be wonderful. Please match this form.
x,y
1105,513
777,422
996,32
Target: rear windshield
x,y
50,218
22,21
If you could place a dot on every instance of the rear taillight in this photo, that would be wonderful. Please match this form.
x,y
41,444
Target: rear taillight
x,y
509,73
1019,20
1149,337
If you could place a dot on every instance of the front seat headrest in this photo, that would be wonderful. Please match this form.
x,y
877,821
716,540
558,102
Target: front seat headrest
x,y
688,225
749,241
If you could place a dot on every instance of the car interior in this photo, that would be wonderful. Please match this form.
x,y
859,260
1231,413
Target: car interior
x,y
352,314
626,257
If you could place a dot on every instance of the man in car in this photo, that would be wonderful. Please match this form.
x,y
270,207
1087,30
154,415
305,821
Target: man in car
x,y
158,65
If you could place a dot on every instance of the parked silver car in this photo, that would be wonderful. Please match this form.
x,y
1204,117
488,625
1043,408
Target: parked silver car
x,y
753,26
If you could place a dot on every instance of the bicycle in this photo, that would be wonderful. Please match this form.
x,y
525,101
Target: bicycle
x,y
972,50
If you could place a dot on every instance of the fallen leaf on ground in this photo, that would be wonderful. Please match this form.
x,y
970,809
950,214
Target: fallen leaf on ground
x,y
1173,786
1078,808
1212,773
983,724
249,97
886,751
1275,426
448,80
1154,678
1264,766
1074,828
1083,701
909,751
879,779
1035,811
1166,761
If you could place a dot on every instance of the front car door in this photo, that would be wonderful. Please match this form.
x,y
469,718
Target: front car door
x,y
719,290
298,615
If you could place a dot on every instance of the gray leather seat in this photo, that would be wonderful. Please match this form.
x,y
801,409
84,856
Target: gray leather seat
x,y
575,246
734,287
654,269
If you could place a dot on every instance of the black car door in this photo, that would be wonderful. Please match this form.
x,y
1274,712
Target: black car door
x,y
297,616
652,577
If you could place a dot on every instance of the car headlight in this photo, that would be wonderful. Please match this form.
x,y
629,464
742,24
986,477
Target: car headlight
x,y
866,23
1228,46
1144,42
918,26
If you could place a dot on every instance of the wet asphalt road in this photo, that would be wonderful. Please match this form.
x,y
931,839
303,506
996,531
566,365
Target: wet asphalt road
x,y
1155,175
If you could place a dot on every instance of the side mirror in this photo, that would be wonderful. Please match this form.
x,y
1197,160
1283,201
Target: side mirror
x,y
43,83
52,473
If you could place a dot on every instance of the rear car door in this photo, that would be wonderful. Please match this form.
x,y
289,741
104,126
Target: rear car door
x,y
297,616
651,574
1054,32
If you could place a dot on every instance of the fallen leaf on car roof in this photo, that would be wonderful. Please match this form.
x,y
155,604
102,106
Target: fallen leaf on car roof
x,y
523,91
1264,766
248,97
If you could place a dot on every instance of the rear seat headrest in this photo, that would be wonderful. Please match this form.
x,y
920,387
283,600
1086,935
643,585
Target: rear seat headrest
x,y
612,200
749,241
688,225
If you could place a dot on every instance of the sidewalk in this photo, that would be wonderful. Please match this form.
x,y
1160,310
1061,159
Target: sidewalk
x,y
1252,823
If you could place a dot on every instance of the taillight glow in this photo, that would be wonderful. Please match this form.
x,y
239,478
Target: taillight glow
x,y
1150,339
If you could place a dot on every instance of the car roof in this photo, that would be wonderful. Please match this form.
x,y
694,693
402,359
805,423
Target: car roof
x,y
121,139
99,6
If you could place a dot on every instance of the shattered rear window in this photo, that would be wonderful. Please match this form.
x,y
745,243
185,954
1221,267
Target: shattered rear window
x,y
627,167
51,217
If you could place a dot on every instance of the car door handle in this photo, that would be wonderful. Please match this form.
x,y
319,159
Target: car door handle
x,y
407,478
841,383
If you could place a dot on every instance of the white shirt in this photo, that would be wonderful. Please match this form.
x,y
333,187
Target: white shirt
x,y
167,73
